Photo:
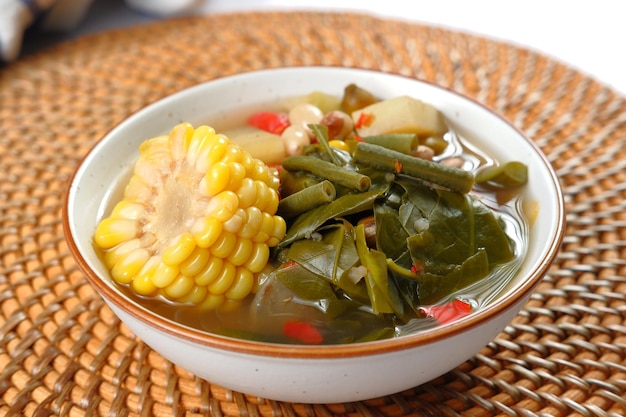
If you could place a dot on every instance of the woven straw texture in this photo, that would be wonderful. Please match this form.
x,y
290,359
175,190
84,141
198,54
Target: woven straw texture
x,y
63,352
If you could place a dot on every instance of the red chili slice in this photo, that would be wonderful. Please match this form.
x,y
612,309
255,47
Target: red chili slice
x,y
448,312
365,119
270,121
304,332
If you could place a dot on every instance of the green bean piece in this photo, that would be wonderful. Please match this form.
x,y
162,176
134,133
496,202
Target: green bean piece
x,y
292,182
405,143
307,199
378,157
510,175
329,171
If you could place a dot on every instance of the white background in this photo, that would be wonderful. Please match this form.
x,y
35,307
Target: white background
x,y
587,35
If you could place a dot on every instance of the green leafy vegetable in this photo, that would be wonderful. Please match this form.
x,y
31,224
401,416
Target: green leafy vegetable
x,y
455,238
331,258
313,289
391,234
432,237
458,227
306,224
321,133
434,287
382,292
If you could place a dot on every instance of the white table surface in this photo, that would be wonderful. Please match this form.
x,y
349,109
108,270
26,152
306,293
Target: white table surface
x,y
586,35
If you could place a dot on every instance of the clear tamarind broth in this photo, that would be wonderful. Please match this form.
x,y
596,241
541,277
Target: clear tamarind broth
x,y
293,304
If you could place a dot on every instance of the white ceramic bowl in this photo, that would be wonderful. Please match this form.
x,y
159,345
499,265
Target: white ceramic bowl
x,y
311,374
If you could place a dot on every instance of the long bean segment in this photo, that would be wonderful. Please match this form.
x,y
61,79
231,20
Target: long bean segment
x,y
510,175
378,157
405,143
307,199
292,182
329,171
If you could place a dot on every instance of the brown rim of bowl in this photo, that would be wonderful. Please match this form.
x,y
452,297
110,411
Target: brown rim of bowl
x,y
328,351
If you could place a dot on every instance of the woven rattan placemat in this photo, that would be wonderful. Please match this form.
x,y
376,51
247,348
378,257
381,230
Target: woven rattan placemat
x,y
62,351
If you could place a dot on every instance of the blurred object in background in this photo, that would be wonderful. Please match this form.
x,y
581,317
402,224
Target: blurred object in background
x,y
64,16
164,8
16,16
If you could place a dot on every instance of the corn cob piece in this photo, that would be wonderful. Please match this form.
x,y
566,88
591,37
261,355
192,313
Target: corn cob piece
x,y
196,220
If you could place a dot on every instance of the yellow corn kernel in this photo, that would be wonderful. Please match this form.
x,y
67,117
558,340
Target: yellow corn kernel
x,y
237,174
266,227
212,152
271,204
195,262
206,230
260,172
156,150
128,210
241,252
242,286
278,232
200,135
253,224
223,206
142,283
236,222
262,195
274,180
111,232
179,249
224,280
210,272
148,173
248,161
246,193
180,287
195,296
137,189
164,275
216,179
224,245
127,268
258,258
339,144
212,302
179,139
158,147
119,252
234,153
202,148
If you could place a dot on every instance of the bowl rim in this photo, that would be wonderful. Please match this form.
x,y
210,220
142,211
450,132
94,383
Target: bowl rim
x,y
209,340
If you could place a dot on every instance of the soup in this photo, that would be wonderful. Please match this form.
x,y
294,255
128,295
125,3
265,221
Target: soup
x,y
393,224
